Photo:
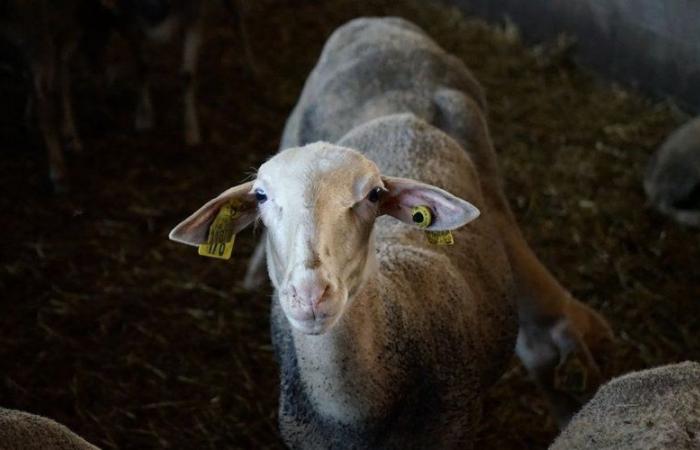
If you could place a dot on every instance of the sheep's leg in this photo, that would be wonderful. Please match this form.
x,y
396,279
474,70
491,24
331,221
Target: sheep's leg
x,y
558,334
68,128
238,9
46,110
143,119
193,40
257,268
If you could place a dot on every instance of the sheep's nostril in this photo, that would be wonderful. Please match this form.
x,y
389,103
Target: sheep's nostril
x,y
321,298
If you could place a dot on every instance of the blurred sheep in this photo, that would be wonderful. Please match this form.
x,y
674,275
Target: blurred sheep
x,y
155,21
651,409
23,431
49,33
672,180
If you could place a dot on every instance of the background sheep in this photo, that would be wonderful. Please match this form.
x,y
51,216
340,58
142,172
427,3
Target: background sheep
x,y
672,181
390,374
23,431
651,409
47,34
157,21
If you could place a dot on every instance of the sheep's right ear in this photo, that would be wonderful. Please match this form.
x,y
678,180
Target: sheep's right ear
x,y
194,229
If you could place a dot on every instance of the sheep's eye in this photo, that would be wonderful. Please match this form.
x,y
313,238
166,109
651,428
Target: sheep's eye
x,y
374,194
260,196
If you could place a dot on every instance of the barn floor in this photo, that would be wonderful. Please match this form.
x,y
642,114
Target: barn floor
x,y
136,342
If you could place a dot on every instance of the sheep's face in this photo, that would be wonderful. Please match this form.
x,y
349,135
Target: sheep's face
x,y
319,204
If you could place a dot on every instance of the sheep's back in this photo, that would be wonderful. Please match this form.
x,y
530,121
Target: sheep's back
x,y
652,409
372,67
23,431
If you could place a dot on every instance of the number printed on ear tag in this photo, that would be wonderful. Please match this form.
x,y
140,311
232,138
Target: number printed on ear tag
x,y
220,240
440,237
423,218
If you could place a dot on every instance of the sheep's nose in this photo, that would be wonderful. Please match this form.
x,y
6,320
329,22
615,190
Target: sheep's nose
x,y
311,292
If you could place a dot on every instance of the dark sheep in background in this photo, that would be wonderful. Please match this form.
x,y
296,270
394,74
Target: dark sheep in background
x,y
49,35
672,181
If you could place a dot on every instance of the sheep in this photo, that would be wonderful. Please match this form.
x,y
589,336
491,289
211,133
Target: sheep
x,y
385,340
651,409
47,34
142,21
672,180
50,33
23,431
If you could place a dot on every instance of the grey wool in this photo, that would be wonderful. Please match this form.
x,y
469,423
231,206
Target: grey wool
x,y
672,180
654,409
23,431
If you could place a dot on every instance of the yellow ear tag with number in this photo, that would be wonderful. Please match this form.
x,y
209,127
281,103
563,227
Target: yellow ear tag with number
x,y
220,240
423,217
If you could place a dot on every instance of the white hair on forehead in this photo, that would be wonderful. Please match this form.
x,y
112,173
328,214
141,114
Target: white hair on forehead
x,y
320,171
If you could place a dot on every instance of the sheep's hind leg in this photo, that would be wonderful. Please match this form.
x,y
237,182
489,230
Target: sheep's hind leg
x,y
560,337
193,39
47,116
143,117
68,129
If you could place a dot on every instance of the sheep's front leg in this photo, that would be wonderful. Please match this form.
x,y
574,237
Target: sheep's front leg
x,y
256,274
43,71
68,129
143,118
193,40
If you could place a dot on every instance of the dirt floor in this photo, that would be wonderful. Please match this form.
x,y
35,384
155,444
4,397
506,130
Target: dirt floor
x,y
136,342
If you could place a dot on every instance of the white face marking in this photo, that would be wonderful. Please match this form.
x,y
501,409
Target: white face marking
x,y
320,223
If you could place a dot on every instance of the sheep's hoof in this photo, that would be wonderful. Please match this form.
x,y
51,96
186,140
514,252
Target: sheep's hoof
x,y
143,121
74,145
59,186
571,375
193,137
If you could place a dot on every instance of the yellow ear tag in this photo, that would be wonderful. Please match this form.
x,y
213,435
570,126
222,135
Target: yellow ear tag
x,y
220,240
423,217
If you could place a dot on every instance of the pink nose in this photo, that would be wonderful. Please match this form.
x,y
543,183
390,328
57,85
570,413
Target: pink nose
x,y
310,292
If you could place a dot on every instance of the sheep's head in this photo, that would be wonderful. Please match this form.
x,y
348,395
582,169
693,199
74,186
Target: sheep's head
x,y
319,204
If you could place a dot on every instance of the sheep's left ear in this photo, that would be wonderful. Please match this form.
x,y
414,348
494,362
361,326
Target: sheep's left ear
x,y
194,229
403,194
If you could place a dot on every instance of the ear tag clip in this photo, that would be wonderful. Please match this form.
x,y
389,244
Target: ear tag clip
x,y
423,218
221,236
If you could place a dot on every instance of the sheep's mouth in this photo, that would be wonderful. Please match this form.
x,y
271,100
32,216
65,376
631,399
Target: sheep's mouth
x,y
313,327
